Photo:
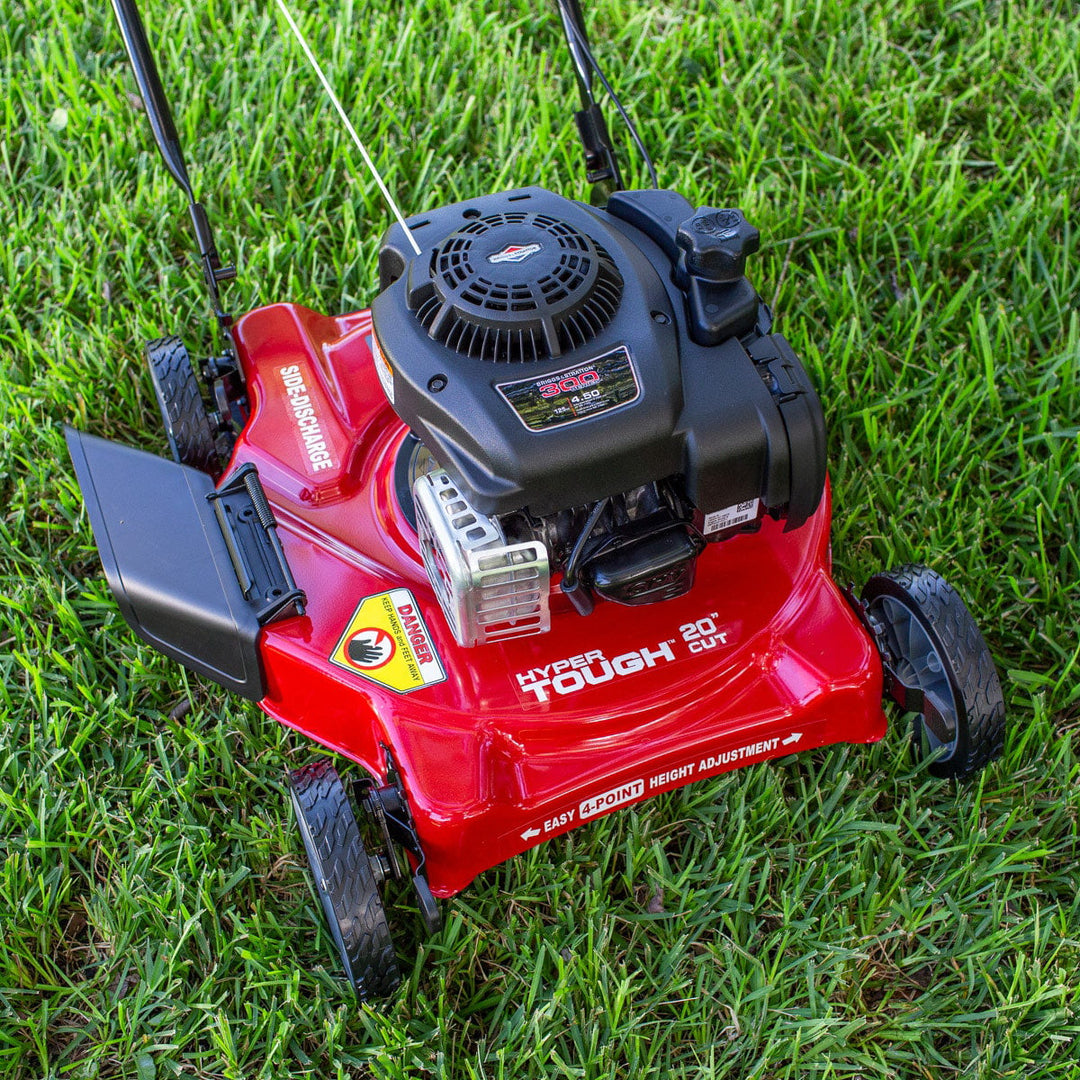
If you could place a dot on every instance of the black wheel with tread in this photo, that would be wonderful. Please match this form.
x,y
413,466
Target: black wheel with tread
x,y
345,880
187,424
932,646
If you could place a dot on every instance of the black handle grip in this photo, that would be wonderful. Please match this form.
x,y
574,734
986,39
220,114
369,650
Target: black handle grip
x,y
153,95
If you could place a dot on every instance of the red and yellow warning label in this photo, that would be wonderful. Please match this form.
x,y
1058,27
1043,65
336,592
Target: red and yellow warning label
x,y
387,642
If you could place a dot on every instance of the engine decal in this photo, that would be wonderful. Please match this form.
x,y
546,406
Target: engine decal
x,y
515,253
306,419
387,642
576,393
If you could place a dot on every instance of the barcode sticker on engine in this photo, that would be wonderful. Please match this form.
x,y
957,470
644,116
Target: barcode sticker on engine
x,y
719,520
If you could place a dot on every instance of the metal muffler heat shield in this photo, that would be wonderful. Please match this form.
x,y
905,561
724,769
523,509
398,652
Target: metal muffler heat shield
x,y
489,590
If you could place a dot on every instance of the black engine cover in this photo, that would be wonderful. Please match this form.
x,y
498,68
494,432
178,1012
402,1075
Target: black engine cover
x,y
548,355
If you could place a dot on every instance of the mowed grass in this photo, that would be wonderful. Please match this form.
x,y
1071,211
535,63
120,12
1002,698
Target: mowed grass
x,y
914,166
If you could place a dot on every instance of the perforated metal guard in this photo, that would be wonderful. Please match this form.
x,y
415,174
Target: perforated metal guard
x,y
488,590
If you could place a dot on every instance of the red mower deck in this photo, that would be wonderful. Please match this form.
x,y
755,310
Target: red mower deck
x,y
505,746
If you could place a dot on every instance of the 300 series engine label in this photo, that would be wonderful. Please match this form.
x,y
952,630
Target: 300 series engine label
x,y
599,385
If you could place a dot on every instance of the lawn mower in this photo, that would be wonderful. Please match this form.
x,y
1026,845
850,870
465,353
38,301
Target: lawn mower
x,y
541,534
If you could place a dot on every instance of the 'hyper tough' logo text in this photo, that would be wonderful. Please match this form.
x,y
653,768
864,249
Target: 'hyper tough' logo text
x,y
589,669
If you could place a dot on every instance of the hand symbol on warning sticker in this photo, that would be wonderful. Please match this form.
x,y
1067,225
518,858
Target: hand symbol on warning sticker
x,y
370,648
388,643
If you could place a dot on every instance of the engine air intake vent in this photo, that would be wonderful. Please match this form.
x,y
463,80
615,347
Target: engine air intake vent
x,y
515,287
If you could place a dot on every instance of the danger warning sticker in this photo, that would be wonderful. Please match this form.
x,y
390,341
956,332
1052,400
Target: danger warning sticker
x,y
387,642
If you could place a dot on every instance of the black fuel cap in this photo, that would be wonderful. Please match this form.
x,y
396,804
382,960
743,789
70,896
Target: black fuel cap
x,y
713,244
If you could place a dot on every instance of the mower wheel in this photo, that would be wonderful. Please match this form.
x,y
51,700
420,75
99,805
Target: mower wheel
x,y
187,425
939,667
346,879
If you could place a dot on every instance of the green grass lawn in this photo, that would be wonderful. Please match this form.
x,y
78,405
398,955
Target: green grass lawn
x,y
914,167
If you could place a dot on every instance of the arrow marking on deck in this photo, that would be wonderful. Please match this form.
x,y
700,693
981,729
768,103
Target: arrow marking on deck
x,y
528,834
795,736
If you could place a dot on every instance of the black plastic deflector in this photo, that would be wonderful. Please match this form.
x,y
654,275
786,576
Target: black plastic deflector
x,y
167,560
